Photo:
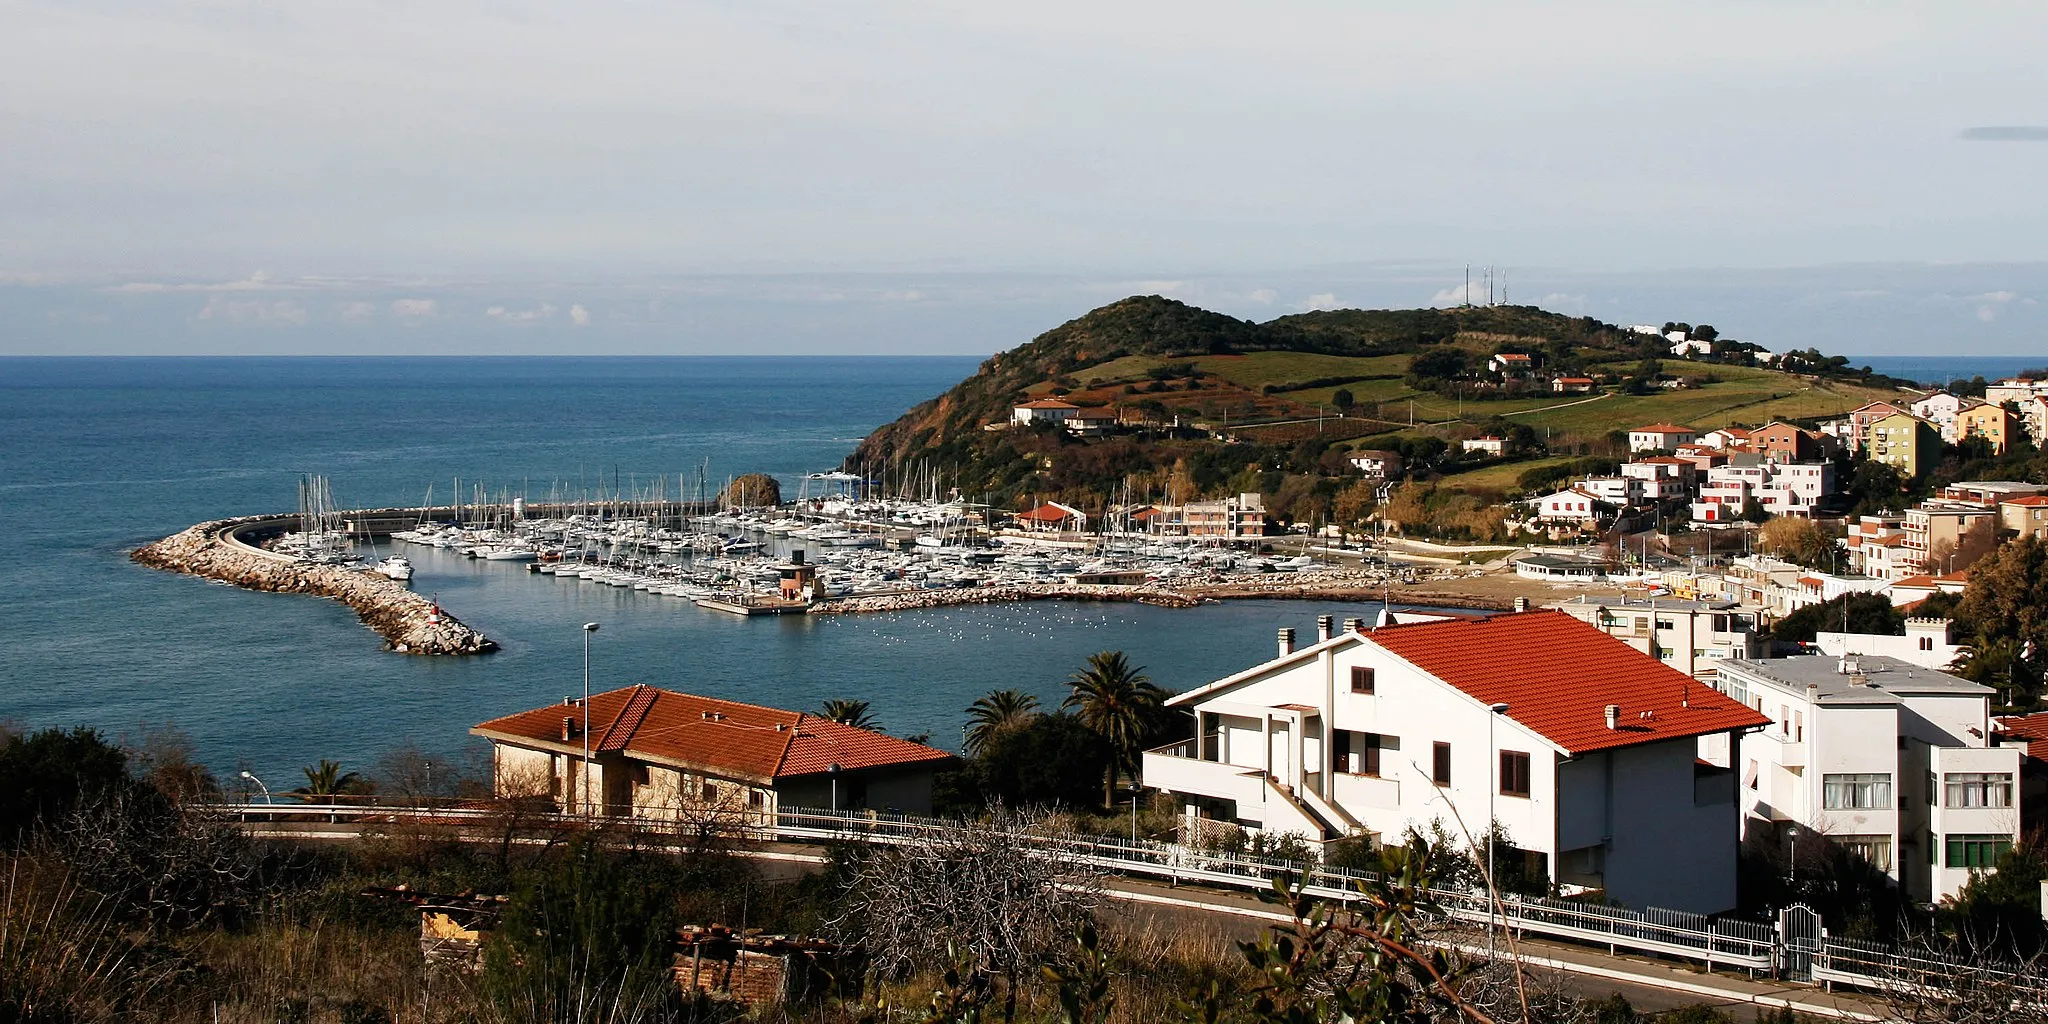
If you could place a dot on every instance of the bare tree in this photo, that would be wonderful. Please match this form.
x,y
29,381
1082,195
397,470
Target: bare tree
x,y
970,897
1964,980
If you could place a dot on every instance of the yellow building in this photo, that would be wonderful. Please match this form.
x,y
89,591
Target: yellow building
x,y
1911,446
1993,423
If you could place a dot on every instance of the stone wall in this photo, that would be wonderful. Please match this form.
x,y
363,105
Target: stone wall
x,y
409,623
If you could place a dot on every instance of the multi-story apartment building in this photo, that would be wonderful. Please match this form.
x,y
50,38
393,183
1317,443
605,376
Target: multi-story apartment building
x,y
1938,523
1663,477
1928,643
1778,488
1873,544
2025,516
1690,636
1660,437
1994,423
1854,429
1784,442
1584,750
1906,443
1239,518
1940,408
1886,759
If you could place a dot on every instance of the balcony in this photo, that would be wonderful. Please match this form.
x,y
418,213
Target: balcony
x,y
1356,792
1175,768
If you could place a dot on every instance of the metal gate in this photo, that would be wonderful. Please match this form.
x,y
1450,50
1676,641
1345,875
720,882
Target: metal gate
x,y
1799,933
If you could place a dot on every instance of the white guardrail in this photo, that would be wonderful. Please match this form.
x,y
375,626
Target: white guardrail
x,y
1757,947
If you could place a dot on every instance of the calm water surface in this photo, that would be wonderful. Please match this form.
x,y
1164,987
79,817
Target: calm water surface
x,y
100,455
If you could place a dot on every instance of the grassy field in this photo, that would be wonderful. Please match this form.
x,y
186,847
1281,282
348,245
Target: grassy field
x,y
1500,476
1253,370
1739,395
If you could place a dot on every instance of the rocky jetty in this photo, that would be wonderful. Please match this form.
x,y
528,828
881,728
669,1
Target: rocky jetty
x,y
1336,584
409,623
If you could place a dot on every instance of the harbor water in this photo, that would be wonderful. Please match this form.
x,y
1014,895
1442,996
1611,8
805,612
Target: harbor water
x,y
98,456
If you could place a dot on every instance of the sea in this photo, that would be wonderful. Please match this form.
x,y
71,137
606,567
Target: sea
x,y
101,455
1939,370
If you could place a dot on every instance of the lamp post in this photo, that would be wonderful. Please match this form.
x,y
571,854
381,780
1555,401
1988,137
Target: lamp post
x,y
1493,773
588,628
832,772
251,776
1792,833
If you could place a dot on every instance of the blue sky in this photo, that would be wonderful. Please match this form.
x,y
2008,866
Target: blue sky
x,y
897,176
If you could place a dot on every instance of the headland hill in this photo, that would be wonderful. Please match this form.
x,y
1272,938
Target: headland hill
x,y
1344,454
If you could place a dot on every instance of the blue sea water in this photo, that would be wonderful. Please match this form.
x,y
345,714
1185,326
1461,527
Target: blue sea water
x,y
98,456
1940,369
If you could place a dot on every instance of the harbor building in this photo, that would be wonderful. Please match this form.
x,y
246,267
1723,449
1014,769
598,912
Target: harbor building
x,y
667,756
1888,760
1583,749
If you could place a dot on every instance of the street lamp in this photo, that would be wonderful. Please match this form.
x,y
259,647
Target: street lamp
x,y
588,628
1792,833
832,772
1493,773
251,776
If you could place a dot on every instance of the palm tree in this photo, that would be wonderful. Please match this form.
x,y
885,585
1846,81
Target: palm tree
x,y
850,712
329,780
1000,710
1120,703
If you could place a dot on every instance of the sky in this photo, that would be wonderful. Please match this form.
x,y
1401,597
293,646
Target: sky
x,y
689,177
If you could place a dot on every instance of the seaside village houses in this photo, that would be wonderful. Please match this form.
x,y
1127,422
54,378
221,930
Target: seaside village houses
x,y
667,756
1586,751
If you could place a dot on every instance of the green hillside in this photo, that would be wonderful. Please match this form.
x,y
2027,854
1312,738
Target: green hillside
x,y
1233,401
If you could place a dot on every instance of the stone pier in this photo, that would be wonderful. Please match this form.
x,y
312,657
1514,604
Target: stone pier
x,y
217,550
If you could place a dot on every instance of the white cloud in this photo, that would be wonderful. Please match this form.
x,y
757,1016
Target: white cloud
x,y
1998,296
1458,296
1562,303
521,316
414,309
1321,300
254,312
579,316
1263,296
907,295
358,310
255,282
1169,289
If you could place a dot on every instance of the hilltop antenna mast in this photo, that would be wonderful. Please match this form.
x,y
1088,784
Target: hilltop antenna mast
x,y
1468,286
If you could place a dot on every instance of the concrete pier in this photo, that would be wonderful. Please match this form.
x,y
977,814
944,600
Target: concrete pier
x,y
228,550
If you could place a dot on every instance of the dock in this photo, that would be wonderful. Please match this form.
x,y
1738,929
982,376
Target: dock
x,y
755,606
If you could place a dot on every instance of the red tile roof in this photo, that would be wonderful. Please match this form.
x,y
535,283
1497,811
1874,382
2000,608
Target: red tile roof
x,y
1047,513
1910,582
722,735
1663,428
1557,675
2030,499
1048,403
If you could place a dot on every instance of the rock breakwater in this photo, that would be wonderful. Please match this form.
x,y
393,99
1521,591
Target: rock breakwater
x,y
409,623
998,595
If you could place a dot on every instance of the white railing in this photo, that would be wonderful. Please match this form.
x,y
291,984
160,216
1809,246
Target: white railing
x,y
1751,945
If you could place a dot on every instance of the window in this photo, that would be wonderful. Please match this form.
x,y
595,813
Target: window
x,y
1665,624
756,799
1799,726
1514,773
1358,753
1967,851
1926,643
1440,767
1361,680
638,774
1978,789
1865,792
1873,850
710,791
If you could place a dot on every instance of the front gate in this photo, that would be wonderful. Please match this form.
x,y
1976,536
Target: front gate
x,y
1799,933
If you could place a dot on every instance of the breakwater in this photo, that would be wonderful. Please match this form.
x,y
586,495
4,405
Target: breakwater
x,y
218,550
1327,585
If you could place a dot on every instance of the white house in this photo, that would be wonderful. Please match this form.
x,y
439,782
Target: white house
x,y
1091,422
1886,759
1686,348
1511,364
1570,505
1690,636
1044,410
1376,463
1663,477
1581,748
1490,445
1620,491
1940,408
1660,437
1928,643
1780,488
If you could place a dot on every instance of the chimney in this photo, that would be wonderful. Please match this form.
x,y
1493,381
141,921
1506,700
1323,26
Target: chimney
x,y
1286,641
1613,716
1354,625
1325,626
1521,604
568,728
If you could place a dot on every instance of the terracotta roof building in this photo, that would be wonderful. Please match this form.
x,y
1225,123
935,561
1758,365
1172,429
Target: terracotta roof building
x,y
1608,769
658,753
